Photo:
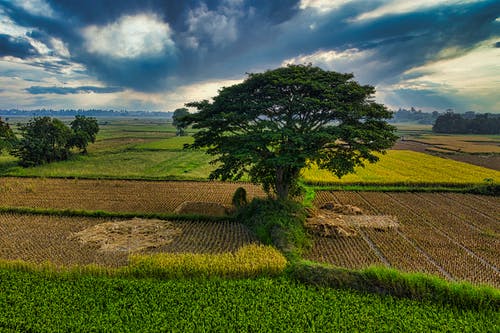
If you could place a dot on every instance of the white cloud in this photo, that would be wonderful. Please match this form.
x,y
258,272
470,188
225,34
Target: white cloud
x,y
130,37
36,7
59,48
476,72
404,6
322,6
220,26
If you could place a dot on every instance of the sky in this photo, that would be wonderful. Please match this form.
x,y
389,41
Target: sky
x,y
158,55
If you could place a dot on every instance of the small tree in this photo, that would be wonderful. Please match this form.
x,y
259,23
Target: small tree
x,y
276,123
84,131
44,140
178,122
7,137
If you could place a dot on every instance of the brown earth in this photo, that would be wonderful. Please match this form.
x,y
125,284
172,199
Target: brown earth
x,y
491,161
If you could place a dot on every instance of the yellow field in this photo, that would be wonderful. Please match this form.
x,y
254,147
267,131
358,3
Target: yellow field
x,y
403,166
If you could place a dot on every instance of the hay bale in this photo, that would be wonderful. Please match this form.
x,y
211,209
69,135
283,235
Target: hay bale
x,y
133,235
328,224
201,208
342,209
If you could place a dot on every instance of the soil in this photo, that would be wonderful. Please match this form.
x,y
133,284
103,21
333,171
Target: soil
x,y
491,161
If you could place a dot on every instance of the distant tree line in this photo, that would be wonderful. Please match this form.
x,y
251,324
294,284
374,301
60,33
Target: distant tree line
x,y
465,124
44,139
88,113
414,116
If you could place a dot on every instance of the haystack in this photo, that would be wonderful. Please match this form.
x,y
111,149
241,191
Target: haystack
x,y
342,209
130,235
201,208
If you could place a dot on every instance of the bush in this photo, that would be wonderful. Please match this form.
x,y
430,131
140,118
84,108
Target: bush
x,y
278,222
7,137
240,198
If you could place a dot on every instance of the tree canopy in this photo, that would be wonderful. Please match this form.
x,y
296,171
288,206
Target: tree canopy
x,y
46,139
7,137
178,122
85,130
275,123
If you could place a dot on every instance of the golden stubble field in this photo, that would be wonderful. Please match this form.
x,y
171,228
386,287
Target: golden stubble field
x,y
455,236
40,238
115,195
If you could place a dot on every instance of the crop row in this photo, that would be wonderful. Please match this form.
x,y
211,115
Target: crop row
x,y
115,195
431,238
34,303
37,238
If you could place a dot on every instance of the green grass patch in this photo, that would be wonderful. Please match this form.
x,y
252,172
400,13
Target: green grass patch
x,y
173,143
416,286
36,302
122,165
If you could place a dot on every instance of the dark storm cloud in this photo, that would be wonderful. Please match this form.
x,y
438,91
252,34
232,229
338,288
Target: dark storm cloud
x,y
265,33
37,90
16,47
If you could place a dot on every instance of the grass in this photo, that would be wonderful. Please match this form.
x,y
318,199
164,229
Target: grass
x,y
33,301
402,167
248,261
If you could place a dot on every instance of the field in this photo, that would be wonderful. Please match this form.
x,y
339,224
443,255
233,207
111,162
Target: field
x,y
410,168
247,305
455,236
39,238
115,195
158,270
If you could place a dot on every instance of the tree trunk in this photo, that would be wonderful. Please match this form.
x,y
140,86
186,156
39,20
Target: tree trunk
x,y
282,183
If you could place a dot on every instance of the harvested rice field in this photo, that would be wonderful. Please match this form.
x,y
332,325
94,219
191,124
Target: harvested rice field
x,y
115,195
455,236
80,241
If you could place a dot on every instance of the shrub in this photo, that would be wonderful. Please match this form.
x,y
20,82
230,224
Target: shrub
x,y
240,198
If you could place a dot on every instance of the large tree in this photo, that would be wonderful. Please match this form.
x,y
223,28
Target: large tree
x,y
274,124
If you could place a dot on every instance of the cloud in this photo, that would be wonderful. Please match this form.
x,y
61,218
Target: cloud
x,y
130,37
16,47
217,26
35,7
37,90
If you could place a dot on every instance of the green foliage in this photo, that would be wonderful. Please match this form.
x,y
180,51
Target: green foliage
x,y
276,123
44,140
7,137
47,140
278,222
388,281
488,187
239,198
179,122
84,131
35,302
